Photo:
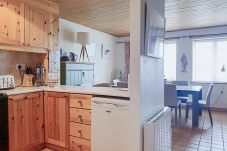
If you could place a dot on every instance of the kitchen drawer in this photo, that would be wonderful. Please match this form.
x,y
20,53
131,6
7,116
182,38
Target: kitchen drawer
x,y
78,144
80,101
73,67
80,116
80,130
87,67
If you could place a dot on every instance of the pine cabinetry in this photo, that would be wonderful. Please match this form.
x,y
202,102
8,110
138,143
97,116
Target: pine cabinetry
x,y
11,22
80,122
35,27
56,109
52,31
26,125
24,24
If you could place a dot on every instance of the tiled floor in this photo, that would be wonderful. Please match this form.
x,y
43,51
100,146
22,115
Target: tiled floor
x,y
203,138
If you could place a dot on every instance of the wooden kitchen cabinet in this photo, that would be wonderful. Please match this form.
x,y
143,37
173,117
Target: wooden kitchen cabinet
x,y
23,24
11,22
56,109
80,122
36,21
52,31
26,125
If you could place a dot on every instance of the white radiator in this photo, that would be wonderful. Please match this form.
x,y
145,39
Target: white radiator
x,y
158,132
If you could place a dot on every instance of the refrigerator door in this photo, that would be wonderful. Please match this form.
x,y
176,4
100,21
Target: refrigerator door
x,y
110,126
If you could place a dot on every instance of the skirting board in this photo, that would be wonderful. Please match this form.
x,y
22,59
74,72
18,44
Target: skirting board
x,y
219,109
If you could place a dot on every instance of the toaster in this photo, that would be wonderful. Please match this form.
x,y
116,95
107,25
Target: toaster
x,y
7,82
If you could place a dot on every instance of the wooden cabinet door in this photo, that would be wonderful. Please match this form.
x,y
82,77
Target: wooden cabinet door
x,y
11,22
56,106
53,31
26,128
35,27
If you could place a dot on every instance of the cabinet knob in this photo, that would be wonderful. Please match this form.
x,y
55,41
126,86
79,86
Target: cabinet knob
x,y
13,118
21,118
80,146
80,117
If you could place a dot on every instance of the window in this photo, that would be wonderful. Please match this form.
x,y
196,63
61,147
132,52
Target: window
x,y
209,60
170,60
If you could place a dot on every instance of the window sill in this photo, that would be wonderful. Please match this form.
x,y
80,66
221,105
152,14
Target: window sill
x,y
209,82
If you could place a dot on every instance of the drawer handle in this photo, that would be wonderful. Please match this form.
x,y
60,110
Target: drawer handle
x,y
21,118
80,117
80,102
80,147
79,131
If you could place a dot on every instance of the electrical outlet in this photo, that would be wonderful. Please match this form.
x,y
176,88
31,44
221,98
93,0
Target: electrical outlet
x,y
20,65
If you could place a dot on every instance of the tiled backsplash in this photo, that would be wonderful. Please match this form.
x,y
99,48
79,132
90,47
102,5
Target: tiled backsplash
x,y
9,59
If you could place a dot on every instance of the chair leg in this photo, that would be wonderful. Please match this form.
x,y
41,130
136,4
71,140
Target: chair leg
x,y
176,116
180,110
186,114
211,120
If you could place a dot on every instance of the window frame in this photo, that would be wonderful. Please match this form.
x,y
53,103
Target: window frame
x,y
214,58
170,42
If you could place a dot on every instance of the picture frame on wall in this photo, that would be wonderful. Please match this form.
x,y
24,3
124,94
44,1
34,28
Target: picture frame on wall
x,y
106,51
154,30
91,49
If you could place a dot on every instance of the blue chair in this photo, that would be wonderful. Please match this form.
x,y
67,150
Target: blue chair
x,y
171,100
202,104
183,99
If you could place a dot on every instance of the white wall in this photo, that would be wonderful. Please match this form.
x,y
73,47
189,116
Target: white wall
x,y
105,68
146,76
184,45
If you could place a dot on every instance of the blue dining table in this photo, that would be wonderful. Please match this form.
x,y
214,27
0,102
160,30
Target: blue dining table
x,y
196,92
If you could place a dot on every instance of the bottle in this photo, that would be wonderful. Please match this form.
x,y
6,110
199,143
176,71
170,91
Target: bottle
x,y
38,75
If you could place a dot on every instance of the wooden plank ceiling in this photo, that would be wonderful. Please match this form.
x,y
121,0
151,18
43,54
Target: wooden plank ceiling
x,y
189,14
112,16
109,16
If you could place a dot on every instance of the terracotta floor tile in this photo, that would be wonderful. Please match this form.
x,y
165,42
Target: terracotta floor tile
x,y
203,138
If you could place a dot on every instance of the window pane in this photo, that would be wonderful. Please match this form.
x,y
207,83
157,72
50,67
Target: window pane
x,y
170,61
221,61
203,61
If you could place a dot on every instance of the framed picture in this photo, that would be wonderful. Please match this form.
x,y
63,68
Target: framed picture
x,y
106,51
154,30
91,50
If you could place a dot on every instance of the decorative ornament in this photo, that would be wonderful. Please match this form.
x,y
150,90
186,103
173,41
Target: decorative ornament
x,y
184,63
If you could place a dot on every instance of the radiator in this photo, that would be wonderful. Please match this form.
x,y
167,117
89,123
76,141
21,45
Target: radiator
x,y
158,132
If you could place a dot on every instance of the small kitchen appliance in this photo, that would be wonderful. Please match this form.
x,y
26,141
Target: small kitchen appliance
x,y
7,82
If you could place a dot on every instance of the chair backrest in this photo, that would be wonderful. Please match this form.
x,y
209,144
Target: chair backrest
x,y
180,83
208,97
170,95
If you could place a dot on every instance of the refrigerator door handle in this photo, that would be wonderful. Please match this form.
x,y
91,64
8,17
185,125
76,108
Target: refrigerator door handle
x,y
111,105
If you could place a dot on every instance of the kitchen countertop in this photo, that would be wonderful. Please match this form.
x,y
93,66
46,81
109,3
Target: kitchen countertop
x,y
104,91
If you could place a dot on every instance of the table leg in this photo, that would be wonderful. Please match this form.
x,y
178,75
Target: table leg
x,y
195,109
